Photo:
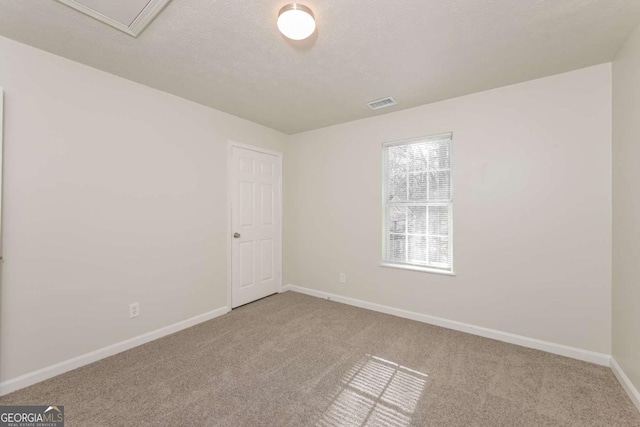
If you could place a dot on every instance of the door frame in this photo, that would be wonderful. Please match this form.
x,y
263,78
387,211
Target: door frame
x,y
230,146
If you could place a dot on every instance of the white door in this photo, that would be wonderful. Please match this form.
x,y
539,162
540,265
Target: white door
x,y
256,224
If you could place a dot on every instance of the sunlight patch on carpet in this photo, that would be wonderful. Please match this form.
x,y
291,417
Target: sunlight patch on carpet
x,y
375,392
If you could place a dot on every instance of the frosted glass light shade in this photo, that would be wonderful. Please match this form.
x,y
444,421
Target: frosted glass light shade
x,y
296,21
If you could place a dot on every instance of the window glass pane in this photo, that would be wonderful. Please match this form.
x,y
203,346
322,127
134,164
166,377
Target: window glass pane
x,y
439,157
418,249
396,248
439,220
439,185
397,187
397,219
439,251
418,187
417,219
397,154
417,157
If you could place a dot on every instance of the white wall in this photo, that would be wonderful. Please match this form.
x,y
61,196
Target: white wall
x,y
114,193
626,208
532,210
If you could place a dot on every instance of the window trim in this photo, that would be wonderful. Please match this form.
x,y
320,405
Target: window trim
x,y
409,266
414,267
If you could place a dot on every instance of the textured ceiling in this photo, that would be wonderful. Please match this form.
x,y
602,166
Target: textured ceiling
x,y
229,54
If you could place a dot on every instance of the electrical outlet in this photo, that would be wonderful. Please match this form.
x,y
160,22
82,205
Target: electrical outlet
x,y
343,277
134,310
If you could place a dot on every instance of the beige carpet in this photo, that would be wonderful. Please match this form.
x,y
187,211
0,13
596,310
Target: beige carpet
x,y
295,360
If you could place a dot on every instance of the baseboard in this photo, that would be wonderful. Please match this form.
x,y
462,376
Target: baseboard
x,y
549,347
34,377
626,383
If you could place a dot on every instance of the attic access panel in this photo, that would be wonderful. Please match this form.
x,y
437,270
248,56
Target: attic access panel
x,y
130,16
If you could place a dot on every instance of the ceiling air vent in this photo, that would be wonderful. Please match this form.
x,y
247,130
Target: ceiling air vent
x,y
382,103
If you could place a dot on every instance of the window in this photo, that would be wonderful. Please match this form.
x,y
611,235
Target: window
x,y
417,204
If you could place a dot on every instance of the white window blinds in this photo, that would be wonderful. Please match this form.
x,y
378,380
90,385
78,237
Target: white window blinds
x,y
418,204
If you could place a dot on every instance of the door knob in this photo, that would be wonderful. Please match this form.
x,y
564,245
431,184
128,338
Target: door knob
x,y
236,235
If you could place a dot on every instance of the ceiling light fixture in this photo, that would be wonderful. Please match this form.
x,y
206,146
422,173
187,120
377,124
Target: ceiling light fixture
x,y
296,21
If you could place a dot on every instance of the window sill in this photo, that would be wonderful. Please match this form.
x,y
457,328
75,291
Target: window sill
x,y
417,268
